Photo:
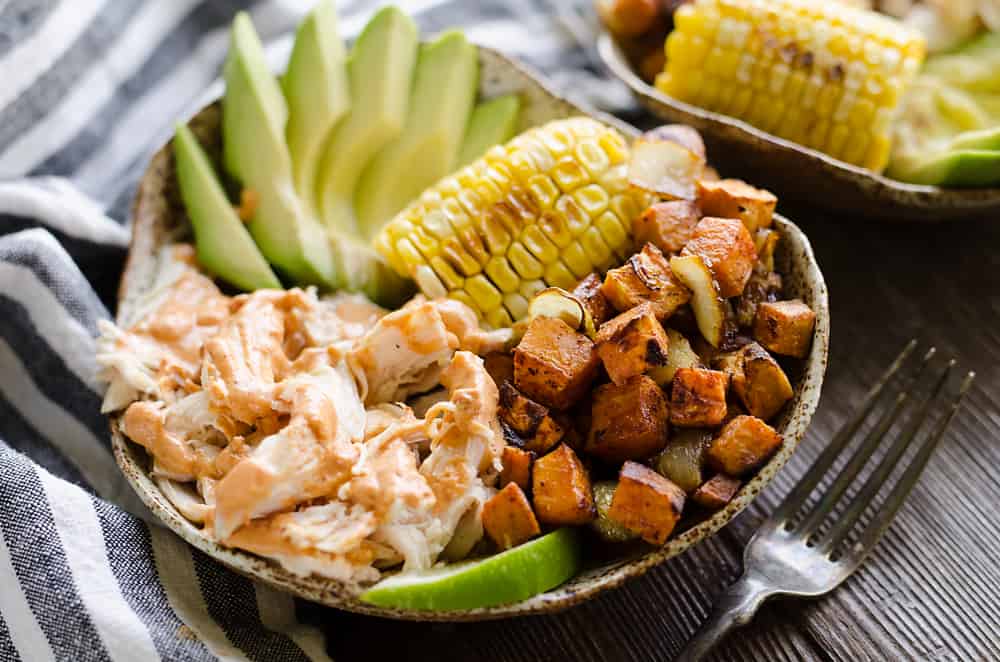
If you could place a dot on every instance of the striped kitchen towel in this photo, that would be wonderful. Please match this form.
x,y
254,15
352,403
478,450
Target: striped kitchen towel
x,y
88,89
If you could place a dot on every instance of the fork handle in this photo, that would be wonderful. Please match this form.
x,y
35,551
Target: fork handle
x,y
734,608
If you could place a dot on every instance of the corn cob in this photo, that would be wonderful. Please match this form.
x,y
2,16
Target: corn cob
x,y
543,210
820,74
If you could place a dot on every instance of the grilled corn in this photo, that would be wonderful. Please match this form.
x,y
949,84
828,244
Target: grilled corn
x,y
820,74
544,210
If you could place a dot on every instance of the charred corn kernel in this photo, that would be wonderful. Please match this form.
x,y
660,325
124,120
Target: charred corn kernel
x,y
447,274
483,292
537,243
456,254
499,271
834,65
499,318
524,262
575,257
543,210
557,275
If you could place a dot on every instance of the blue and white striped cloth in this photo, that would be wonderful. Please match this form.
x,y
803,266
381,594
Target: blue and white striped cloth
x,y
88,89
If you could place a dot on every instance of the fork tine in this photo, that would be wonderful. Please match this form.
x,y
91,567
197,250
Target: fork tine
x,y
912,474
815,518
833,539
794,500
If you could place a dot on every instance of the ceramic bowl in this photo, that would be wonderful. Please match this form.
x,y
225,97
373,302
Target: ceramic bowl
x,y
799,173
159,218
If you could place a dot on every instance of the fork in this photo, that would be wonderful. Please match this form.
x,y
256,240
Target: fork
x,y
792,556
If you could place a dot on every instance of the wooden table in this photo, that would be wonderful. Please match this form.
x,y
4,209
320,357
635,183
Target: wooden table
x,y
931,589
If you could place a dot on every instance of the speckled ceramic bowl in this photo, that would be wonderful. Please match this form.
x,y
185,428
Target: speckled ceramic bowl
x,y
796,172
159,217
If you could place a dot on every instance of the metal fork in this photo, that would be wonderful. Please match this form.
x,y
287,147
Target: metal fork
x,y
793,557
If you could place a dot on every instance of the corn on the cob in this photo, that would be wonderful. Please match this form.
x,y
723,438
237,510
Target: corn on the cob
x,y
544,210
820,74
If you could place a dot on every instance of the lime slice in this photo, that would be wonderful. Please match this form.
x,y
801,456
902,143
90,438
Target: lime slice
x,y
510,576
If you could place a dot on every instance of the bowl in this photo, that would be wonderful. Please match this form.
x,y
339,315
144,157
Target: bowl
x,y
159,217
799,173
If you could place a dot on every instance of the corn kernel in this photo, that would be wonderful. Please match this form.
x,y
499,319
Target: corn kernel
x,y
502,275
484,292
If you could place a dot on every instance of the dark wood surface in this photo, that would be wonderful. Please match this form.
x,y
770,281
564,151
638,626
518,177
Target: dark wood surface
x,y
931,589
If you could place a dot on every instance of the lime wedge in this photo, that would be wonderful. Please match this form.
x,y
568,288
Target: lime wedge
x,y
510,576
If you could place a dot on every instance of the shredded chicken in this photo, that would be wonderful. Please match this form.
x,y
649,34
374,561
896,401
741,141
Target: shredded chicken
x,y
276,420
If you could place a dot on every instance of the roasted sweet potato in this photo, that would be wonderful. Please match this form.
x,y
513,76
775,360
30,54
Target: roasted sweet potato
x,y
716,492
530,420
553,364
629,420
667,225
500,365
759,382
785,327
560,487
589,292
646,503
632,343
743,444
516,463
646,276
734,198
761,287
508,518
698,398
679,355
727,249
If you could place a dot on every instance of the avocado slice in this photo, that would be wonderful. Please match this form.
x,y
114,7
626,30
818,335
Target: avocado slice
x,y
380,70
492,122
317,92
958,168
444,90
363,270
254,152
224,245
985,139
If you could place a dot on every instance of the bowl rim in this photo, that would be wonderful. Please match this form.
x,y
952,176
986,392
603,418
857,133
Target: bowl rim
x,y
150,204
931,198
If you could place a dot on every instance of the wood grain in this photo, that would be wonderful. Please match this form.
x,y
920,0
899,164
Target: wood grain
x,y
931,589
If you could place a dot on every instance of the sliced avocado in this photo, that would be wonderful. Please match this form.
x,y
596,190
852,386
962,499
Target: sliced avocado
x,y
963,168
380,69
224,245
444,90
317,93
491,123
254,152
985,139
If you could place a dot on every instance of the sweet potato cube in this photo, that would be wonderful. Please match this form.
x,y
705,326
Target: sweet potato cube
x,y
667,225
743,444
560,487
760,383
632,343
516,467
589,292
530,420
646,277
785,327
734,198
629,420
500,365
728,249
698,398
646,503
716,492
508,518
553,364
